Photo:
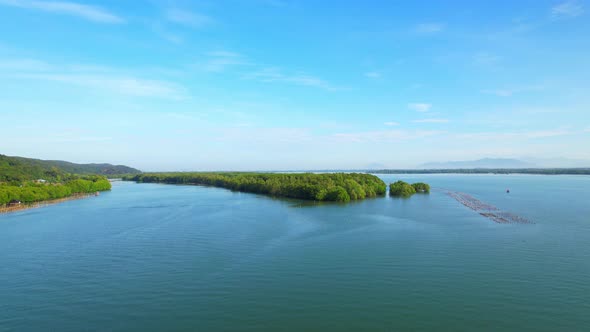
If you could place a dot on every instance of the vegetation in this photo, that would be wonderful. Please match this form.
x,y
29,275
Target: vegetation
x,y
401,188
540,171
337,187
32,180
421,187
404,189
29,192
18,169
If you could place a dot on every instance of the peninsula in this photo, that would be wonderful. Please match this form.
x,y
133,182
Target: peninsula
x,y
335,187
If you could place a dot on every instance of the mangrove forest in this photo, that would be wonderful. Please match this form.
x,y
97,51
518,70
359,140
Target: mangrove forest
x,y
335,187
42,190
404,189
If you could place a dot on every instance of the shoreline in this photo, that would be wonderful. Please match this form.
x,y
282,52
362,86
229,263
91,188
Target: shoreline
x,y
40,204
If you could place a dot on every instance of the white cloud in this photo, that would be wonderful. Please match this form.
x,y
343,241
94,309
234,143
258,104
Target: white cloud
x,y
188,18
499,92
24,65
391,123
510,91
432,120
372,74
420,107
89,12
567,9
261,135
225,54
587,130
429,28
94,77
218,61
532,134
117,84
272,74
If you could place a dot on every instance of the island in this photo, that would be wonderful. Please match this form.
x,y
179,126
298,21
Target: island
x,y
404,189
334,187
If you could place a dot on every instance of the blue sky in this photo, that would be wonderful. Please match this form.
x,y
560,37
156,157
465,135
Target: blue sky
x,y
281,84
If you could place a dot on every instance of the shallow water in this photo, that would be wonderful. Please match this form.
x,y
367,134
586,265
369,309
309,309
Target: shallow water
x,y
151,257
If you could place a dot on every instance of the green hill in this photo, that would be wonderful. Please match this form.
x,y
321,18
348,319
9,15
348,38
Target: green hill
x,y
25,169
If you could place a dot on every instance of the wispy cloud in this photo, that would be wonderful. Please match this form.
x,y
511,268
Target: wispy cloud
x,y
384,136
507,92
222,60
429,28
273,74
188,18
391,123
219,61
88,12
24,65
373,74
530,134
420,107
432,120
261,135
225,54
587,130
117,84
567,9
94,77
499,92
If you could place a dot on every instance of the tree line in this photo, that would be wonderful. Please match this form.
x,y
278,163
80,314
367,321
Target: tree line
x,y
29,192
336,187
404,189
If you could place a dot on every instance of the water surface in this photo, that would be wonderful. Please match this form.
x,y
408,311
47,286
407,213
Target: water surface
x,y
152,257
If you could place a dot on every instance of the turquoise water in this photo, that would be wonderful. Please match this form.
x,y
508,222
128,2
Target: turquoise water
x,y
151,257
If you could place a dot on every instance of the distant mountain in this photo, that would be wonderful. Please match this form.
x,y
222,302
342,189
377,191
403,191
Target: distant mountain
x,y
480,163
19,168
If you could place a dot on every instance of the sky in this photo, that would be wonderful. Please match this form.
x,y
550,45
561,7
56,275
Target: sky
x,y
293,84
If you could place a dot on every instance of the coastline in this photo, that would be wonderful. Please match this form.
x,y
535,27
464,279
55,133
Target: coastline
x,y
40,204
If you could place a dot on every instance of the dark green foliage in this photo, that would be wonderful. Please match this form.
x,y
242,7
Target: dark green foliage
x,y
401,188
18,169
338,187
337,194
421,187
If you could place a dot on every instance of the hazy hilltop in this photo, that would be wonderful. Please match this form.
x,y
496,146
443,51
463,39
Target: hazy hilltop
x,y
480,163
20,168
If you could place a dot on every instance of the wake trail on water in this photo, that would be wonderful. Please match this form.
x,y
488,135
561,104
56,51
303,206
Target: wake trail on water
x,y
487,210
